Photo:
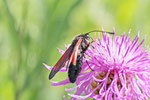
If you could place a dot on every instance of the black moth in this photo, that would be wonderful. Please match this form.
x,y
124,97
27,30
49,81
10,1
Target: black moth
x,y
74,55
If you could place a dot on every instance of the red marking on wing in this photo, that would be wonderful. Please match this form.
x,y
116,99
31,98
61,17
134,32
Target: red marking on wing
x,y
74,58
61,62
75,53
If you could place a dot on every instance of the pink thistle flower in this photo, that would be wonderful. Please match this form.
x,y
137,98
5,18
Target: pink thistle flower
x,y
121,70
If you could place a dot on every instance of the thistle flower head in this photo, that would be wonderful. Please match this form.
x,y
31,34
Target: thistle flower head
x,y
120,70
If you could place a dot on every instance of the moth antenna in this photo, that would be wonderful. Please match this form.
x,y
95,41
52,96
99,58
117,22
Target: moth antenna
x,y
98,31
101,31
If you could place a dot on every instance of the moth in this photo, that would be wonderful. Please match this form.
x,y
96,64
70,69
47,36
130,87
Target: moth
x,y
74,55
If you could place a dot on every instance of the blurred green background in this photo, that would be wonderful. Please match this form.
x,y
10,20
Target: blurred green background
x,y
32,30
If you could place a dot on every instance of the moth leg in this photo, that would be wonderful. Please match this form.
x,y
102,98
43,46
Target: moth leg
x,y
88,65
89,44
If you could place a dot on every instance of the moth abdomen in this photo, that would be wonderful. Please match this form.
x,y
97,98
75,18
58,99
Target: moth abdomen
x,y
73,72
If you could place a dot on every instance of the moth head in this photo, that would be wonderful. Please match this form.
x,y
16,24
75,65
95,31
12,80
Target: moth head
x,y
87,36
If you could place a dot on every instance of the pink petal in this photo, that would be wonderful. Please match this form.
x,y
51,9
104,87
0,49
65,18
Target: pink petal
x,y
64,82
63,69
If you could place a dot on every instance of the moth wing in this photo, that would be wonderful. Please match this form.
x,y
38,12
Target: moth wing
x,y
73,57
68,55
61,62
